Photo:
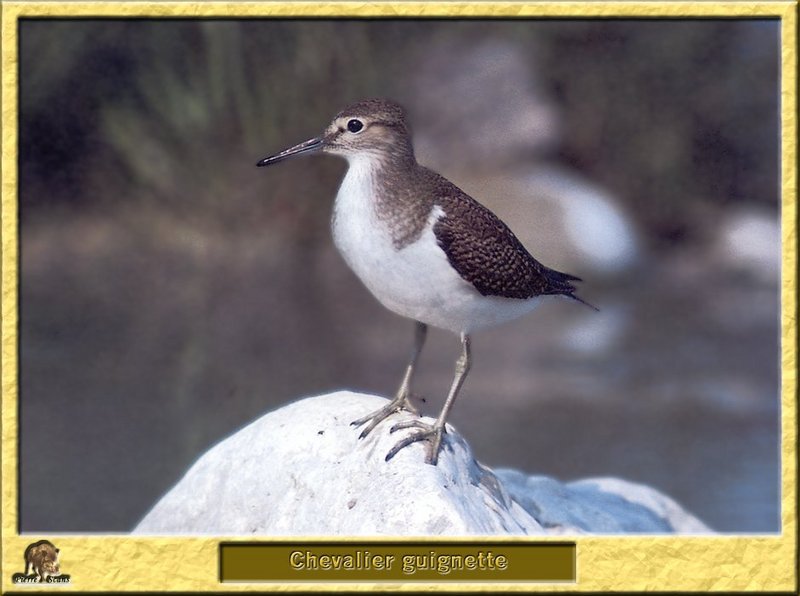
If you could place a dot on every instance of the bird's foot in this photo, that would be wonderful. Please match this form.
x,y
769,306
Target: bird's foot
x,y
430,433
399,403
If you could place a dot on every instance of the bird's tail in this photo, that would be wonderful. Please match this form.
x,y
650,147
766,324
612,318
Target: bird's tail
x,y
561,283
582,301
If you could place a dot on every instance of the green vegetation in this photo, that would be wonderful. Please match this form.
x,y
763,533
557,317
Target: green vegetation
x,y
173,114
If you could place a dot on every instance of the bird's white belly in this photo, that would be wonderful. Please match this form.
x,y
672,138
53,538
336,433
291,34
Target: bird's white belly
x,y
415,281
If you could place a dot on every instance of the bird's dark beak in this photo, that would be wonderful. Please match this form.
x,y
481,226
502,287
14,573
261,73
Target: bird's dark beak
x,y
306,146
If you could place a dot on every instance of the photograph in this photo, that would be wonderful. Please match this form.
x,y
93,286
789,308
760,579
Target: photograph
x,y
363,278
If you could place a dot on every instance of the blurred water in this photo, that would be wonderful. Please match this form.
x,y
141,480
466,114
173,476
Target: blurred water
x,y
136,356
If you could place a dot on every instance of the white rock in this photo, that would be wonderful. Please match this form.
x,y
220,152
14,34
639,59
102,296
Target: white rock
x,y
750,240
599,505
301,470
594,222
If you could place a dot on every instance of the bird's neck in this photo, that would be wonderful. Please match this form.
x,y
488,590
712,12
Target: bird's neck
x,y
384,183
386,162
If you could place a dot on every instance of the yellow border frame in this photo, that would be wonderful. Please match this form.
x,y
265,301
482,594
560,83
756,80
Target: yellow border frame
x,y
122,563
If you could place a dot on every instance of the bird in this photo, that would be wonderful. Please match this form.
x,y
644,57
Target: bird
x,y
425,249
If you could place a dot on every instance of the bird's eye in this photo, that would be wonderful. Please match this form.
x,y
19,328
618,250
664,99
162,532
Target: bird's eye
x,y
355,125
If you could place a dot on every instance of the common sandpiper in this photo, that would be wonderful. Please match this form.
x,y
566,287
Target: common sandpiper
x,y
424,248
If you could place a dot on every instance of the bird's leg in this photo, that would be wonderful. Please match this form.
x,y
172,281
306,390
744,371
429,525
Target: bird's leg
x,y
401,399
432,433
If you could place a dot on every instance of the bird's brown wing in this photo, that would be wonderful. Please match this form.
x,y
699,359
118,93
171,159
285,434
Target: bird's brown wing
x,y
487,254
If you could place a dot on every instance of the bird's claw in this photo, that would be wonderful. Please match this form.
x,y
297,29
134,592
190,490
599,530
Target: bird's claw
x,y
430,433
375,418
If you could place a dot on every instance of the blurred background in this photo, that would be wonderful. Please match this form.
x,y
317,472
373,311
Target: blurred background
x,y
171,292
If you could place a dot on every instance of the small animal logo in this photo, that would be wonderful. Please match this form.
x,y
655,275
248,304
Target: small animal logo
x,y
41,565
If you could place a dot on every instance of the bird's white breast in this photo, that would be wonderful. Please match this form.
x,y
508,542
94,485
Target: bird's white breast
x,y
415,281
